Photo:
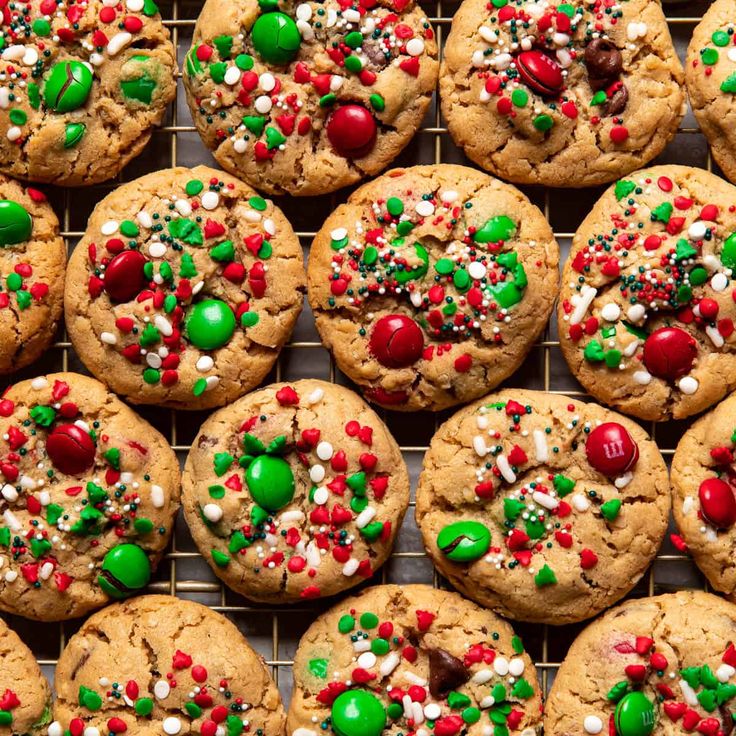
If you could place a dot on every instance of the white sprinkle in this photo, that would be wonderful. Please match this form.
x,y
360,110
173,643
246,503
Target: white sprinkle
x,y
715,336
365,517
350,567
688,385
367,660
725,672
719,282
267,81
163,324
55,729
540,445
316,473
45,570
636,30
205,364
263,104
210,200
232,76
157,249
135,6
479,445
580,503
324,451
593,724
183,207
545,500
108,338
611,312
304,11
157,497
424,208
9,493
481,677
501,666
476,270
321,496
587,295
696,231
212,512
516,667
636,312
643,378
110,227
171,725
415,46
389,664
118,42
315,397
161,690
339,233
503,465
688,693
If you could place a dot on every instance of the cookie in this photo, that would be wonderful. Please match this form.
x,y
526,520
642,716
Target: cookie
x,y
412,659
184,288
542,508
651,666
295,491
82,84
570,95
32,266
431,284
710,73
307,97
89,494
25,697
646,306
703,499
159,664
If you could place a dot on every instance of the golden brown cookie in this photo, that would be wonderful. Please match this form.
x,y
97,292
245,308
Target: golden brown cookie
x,y
88,494
307,97
82,84
163,665
646,309
412,659
542,508
661,665
184,288
295,491
32,266
570,95
431,284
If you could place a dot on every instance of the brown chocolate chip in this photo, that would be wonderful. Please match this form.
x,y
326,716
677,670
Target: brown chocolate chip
x,y
617,102
603,61
445,672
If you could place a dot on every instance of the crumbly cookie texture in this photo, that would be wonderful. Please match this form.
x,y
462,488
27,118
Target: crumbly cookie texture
x,y
25,697
32,265
704,505
710,73
412,659
659,665
542,508
184,288
307,97
82,84
646,306
295,491
159,664
88,492
431,284
570,94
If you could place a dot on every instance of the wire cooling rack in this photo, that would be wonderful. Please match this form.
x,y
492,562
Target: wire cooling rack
x,y
275,631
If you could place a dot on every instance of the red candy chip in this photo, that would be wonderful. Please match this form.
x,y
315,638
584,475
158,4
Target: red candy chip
x,y
610,449
396,341
540,72
351,130
70,449
669,352
124,276
717,503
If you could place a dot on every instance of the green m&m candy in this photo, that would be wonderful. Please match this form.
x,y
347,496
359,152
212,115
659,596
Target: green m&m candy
x,y
276,38
635,715
15,223
497,228
358,713
270,482
67,86
125,570
464,541
210,324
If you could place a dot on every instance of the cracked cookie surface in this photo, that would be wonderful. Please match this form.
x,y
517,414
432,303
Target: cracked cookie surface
x,y
88,495
570,94
306,97
430,284
542,508
159,664
32,266
406,658
661,665
82,84
646,309
295,491
184,288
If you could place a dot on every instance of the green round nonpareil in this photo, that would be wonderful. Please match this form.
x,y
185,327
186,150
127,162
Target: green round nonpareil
x,y
125,570
67,86
464,541
276,38
635,715
358,713
15,223
210,324
270,482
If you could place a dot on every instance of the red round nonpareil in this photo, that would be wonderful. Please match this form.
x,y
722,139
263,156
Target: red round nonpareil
x,y
717,503
351,130
70,449
610,449
124,276
539,72
396,341
669,352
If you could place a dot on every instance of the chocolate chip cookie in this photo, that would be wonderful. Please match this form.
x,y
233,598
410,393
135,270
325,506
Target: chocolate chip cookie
x,y
184,288
542,508
32,266
572,94
82,84
307,97
295,491
88,495
412,659
431,284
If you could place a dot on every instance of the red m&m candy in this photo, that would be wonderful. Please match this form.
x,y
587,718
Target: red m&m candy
x,y
611,450
352,131
540,72
70,449
396,341
717,503
124,276
669,352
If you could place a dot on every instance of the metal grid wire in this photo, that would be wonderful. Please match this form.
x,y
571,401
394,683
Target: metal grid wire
x,y
275,631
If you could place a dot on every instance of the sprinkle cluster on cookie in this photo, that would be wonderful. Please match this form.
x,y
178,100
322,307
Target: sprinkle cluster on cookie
x,y
300,496
9,701
694,699
69,491
652,290
722,53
